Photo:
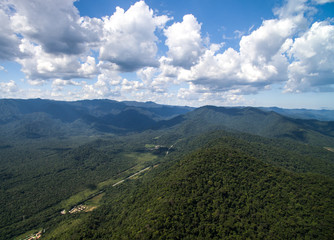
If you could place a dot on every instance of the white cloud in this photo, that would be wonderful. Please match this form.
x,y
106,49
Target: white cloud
x,y
129,40
259,63
323,1
55,25
263,43
313,60
160,79
60,83
199,95
168,73
8,87
184,42
131,86
114,86
107,84
58,86
147,74
214,69
101,89
293,8
8,40
41,66
261,59
54,39
88,68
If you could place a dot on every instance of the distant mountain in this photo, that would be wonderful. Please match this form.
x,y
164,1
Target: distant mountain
x,y
322,115
70,111
164,111
35,118
256,121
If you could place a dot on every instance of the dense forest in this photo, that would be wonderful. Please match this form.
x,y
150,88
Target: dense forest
x,y
215,193
125,170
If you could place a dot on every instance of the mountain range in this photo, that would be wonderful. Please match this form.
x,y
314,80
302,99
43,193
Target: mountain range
x,y
38,118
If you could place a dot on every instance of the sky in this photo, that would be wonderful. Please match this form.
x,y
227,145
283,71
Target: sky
x,y
190,52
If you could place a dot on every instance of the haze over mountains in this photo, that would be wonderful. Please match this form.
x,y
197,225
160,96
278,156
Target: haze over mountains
x,y
322,115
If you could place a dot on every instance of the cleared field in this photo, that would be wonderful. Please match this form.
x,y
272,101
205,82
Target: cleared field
x,y
63,227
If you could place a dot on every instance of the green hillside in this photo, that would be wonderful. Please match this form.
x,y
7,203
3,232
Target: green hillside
x,y
258,122
214,193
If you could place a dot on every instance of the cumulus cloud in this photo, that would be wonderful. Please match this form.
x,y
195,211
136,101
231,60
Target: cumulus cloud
x,y
51,39
8,87
263,43
42,66
9,42
259,62
110,84
293,8
129,39
200,95
184,41
313,60
107,84
168,73
160,79
55,25
147,74
268,55
60,83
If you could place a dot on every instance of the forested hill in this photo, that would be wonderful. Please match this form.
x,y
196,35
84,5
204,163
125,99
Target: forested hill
x,y
256,121
216,192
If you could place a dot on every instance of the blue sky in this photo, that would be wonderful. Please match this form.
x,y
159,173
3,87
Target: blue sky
x,y
189,52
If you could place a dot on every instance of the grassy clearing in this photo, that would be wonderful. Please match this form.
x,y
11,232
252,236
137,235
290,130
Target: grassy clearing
x,y
141,158
95,200
108,182
79,197
62,227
